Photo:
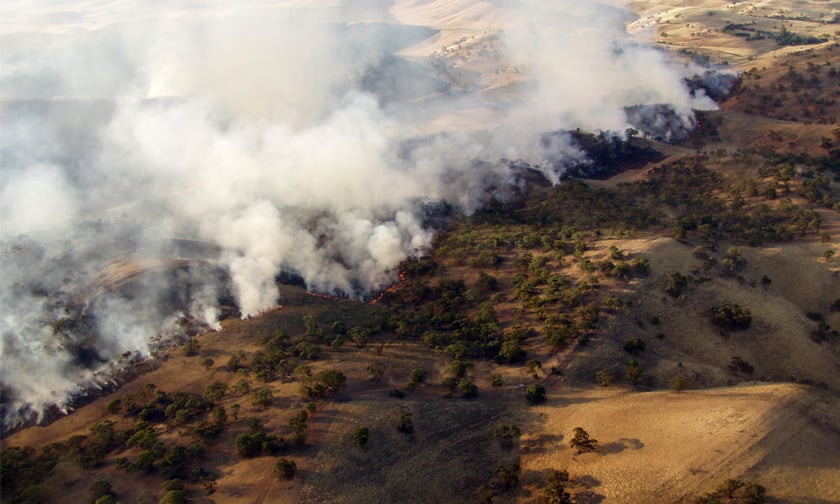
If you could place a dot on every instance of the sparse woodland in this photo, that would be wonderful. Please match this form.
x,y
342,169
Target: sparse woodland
x,y
483,337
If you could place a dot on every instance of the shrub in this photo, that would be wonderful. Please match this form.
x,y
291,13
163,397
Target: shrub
x,y
285,469
99,489
634,372
468,389
262,398
604,378
405,422
535,394
361,436
506,434
635,346
731,317
375,371
582,442
174,497
191,348
418,375
496,380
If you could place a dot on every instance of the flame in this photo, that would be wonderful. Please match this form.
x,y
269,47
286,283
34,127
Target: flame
x,y
390,289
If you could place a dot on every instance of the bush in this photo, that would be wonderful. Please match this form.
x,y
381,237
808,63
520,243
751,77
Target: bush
x,y
678,384
191,348
174,497
285,469
582,442
468,389
731,317
635,346
361,436
99,489
535,394
262,397
496,380
604,378
405,422
506,434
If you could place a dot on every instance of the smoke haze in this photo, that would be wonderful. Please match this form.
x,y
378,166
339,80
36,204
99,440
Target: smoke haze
x,y
217,145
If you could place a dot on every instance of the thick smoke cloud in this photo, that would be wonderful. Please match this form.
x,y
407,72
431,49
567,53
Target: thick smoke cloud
x,y
159,157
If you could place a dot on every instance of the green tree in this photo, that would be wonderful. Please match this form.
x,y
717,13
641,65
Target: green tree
x,y
604,378
215,391
581,441
285,469
361,436
113,406
535,394
191,348
174,497
507,435
405,422
554,491
731,316
262,398
634,372
468,389
375,371
496,380
99,489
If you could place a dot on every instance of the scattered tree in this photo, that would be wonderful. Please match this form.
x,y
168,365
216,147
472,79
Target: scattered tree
x,y
604,378
285,469
361,436
535,394
634,372
731,317
405,422
507,435
582,442
191,348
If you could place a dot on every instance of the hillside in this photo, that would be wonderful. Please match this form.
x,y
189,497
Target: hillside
x,y
683,310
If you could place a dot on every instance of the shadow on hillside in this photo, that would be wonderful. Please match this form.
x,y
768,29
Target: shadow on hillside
x,y
620,445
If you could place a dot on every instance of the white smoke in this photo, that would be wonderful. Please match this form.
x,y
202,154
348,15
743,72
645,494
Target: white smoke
x,y
275,134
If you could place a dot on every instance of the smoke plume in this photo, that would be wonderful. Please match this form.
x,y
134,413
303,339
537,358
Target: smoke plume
x,y
158,158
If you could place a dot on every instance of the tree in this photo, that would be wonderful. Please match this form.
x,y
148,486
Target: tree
x,y
361,436
418,375
678,384
285,469
208,363
507,435
99,489
262,398
496,380
375,371
634,372
582,442
174,497
604,378
554,491
506,477
191,348
405,422
215,391
731,317
332,379
635,346
535,394
468,389
114,406
533,366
